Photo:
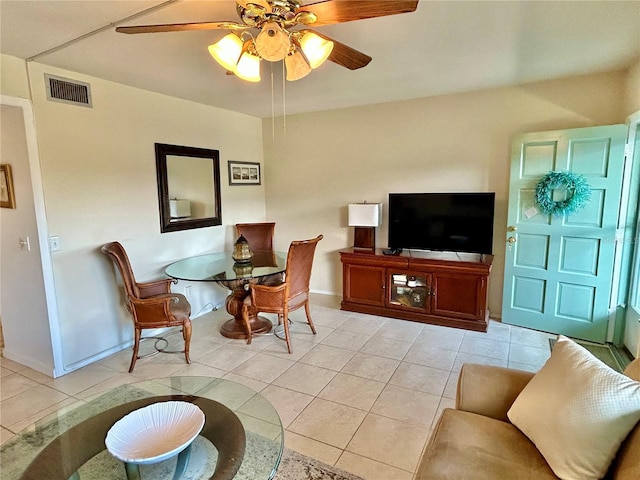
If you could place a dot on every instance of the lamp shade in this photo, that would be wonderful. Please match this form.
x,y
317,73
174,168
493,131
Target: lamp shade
x,y
315,48
227,51
365,214
248,67
297,66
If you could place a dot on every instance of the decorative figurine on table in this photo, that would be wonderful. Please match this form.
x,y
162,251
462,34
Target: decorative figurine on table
x,y
241,251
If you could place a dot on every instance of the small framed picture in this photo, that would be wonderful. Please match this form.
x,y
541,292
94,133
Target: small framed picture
x,y
244,173
7,197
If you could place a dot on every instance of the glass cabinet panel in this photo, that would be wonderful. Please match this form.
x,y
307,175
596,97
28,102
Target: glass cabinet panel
x,y
409,290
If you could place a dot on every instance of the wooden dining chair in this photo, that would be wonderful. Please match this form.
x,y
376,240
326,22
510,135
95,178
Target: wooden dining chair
x,y
151,304
259,236
290,294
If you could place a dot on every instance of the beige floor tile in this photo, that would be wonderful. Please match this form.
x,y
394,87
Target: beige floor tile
x,y
431,356
14,384
372,367
253,384
300,331
5,371
79,380
329,357
150,369
386,347
328,422
523,366
407,405
529,355
485,347
421,378
347,340
287,402
11,365
443,338
362,324
263,367
200,370
43,415
531,338
400,330
227,357
28,403
370,469
36,376
451,387
303,378
112,382
299,348
6,435
312,448
389,441
352,391
328,317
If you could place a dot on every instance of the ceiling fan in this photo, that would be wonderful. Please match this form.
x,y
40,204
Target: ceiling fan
x,y
282,34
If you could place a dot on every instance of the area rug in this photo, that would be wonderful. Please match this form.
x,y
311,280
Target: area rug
x,y
295,466
601,352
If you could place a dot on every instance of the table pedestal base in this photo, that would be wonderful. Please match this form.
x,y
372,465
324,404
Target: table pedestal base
x,y
234,327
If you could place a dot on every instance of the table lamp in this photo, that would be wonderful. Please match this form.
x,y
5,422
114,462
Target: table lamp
x,y
365,217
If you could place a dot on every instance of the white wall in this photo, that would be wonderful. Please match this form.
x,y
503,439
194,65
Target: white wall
x,y
99,181
23,303
457,142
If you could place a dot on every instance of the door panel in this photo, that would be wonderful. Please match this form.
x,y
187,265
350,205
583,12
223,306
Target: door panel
x,y
558,269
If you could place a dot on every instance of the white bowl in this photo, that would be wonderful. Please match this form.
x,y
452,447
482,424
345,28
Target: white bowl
x,y
154,433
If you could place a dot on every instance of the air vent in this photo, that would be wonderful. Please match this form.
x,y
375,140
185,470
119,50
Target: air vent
x,y
69,91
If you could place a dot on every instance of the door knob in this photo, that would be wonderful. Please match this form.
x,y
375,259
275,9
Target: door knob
x,y
511,240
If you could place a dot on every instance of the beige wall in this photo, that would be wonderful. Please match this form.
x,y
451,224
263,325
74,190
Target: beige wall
x,y
99,181
450,143
632,103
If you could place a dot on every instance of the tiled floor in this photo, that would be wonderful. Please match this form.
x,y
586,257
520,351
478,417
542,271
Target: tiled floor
x,y
362,394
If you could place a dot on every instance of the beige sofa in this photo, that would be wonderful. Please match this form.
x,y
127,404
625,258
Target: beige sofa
x,y
477,440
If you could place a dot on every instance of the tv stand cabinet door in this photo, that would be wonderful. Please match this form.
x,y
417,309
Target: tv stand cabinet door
x,y
364,284
459,295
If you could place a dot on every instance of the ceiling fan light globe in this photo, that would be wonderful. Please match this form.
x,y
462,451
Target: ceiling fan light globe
x,y
227,51
248,67
315,48
272,43
297,66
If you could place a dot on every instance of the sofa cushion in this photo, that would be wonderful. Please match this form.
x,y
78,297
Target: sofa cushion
x,y
577,411
474,447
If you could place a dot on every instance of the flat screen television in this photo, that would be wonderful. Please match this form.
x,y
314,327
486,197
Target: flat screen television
x,y
455,222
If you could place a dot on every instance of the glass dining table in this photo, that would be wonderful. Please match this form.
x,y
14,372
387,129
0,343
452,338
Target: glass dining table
x,y
265,266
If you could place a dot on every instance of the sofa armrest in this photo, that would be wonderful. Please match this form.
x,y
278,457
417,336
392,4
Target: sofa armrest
x,y
489,390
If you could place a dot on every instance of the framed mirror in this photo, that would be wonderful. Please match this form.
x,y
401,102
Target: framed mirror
x,y
188,187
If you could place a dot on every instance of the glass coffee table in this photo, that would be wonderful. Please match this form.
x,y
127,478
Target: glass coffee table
x,y
242,437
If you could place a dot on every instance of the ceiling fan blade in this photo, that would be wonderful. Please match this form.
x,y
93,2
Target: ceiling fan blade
x,y
346,56
181,27
338,11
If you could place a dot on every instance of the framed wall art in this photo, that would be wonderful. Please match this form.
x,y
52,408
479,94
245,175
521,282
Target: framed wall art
x,y
7,196
244,173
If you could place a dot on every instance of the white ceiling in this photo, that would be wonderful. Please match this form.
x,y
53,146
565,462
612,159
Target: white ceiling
x,y
443,47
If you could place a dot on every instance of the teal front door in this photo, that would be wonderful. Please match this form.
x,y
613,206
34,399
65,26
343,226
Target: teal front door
x,y
559,269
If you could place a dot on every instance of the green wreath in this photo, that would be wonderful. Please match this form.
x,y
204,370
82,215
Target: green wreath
x,y
577,188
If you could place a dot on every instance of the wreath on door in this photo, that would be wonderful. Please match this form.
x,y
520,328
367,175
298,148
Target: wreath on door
x,y
576,186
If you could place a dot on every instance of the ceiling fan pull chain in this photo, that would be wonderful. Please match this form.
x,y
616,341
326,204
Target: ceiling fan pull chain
x,y
273,106
284,102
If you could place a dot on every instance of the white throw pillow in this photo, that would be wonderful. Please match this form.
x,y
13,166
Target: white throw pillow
x,y
577,411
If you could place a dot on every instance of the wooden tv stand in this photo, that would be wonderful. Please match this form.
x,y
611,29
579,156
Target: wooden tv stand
x,y
442,288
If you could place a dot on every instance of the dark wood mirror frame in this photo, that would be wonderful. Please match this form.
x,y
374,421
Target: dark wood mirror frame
x,y
166,224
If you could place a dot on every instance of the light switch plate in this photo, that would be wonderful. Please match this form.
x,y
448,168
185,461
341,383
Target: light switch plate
x,y
54,243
